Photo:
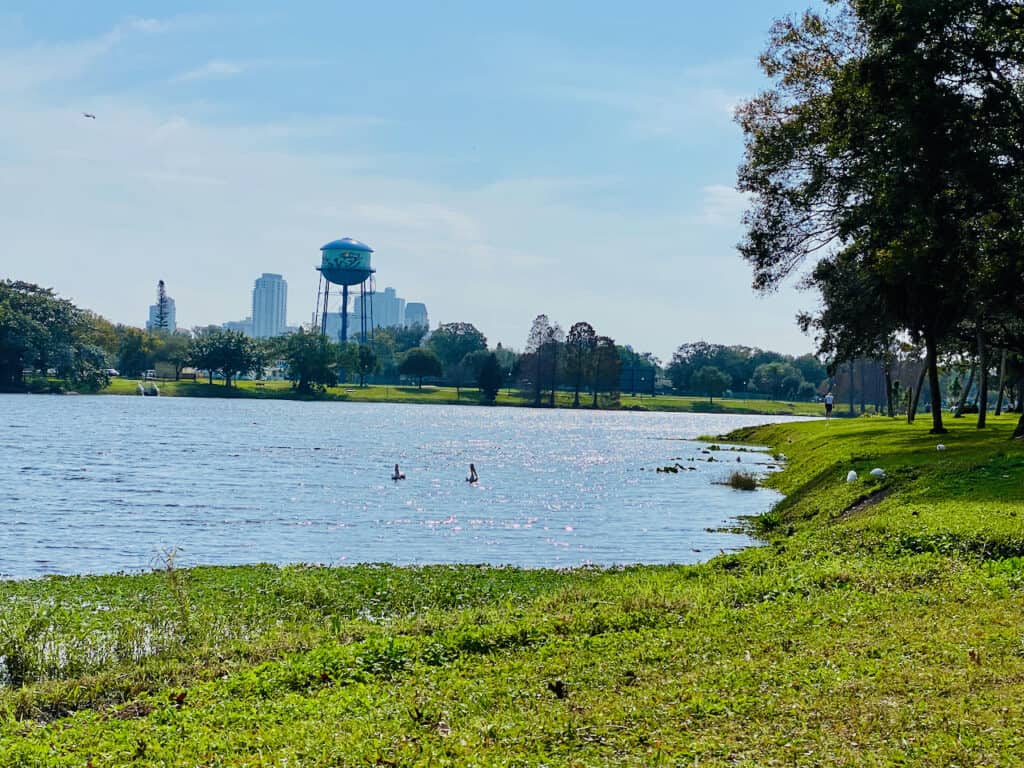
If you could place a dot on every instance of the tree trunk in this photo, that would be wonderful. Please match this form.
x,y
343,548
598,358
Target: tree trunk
x,y
1002,384
915,396
982,378
888,387
597,380
536,380
852,410
863,387
1018,433
959,412
933,383
554,376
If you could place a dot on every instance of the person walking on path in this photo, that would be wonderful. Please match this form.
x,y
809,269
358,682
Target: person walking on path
x,y
829,402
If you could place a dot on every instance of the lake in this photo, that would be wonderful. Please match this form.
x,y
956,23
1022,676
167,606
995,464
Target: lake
x,y
105,484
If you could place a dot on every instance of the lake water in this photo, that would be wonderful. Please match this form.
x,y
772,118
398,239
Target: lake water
x,y
103,484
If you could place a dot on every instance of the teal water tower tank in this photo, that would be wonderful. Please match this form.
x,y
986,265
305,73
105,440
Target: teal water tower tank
x,y
346,262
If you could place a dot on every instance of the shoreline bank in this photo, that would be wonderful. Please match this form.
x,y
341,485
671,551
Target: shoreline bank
x,y
379,393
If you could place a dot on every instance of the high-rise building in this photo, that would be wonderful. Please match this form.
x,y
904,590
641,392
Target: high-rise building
x,y
416,314
269,306
154,310
332,327
245,326
386,309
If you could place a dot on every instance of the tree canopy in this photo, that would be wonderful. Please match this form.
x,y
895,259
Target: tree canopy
x,y
888,152
311,360
40,332
453,341
420,362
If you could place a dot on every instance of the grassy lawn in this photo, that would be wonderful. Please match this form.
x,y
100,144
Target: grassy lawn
x,y
881,624
468,396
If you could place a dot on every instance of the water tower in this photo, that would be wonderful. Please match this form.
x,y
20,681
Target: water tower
x,y
345,262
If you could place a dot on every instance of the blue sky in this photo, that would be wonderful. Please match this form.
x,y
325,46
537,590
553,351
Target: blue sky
x,y
572,158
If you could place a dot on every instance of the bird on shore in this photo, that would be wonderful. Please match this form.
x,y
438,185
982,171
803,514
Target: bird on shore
x,y
89,115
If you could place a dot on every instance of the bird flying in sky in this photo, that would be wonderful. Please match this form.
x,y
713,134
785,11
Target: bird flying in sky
x,y
90,116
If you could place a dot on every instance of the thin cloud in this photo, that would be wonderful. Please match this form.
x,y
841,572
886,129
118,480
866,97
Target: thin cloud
x,y
24,69
215,69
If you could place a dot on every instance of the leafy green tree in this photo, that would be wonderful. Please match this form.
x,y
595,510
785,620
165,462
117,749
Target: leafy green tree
x,y
451,342
543,356
407,337
100,332
383,344
175,350
489,378
231,353
581,342
39,331
135,351
366,363
310,360
806,391
469,369
811,369
420,362
774,378
607,369
474,362
712,382
87,368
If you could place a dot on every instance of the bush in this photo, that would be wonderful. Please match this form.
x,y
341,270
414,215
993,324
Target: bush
x,y
742,481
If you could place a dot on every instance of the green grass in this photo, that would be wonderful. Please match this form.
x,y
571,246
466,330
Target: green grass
x,y
468,396
881,624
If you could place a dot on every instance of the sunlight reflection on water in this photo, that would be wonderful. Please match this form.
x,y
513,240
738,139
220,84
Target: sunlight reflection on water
x,y
102,484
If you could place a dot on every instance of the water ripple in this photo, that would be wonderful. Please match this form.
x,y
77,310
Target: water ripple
x,y
106,483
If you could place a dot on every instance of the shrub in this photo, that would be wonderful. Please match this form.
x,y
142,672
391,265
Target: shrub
x,y
742,481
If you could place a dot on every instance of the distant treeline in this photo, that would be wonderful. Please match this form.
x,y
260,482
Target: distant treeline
x,y
48,343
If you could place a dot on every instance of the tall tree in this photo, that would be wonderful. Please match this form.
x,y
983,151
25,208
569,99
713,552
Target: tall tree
x,y
489,378
607,367
534,368
163,317
366,363
580,343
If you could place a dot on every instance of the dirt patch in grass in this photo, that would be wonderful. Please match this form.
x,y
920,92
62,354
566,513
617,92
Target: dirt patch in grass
x,y
871,500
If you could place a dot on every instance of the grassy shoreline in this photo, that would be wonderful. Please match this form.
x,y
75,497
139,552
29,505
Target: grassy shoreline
x,y
282,390
881,624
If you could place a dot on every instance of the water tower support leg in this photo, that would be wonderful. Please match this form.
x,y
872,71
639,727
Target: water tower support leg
x,y
323,316
344,313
